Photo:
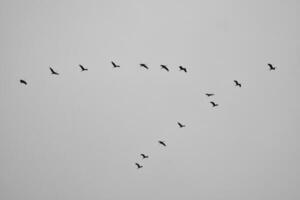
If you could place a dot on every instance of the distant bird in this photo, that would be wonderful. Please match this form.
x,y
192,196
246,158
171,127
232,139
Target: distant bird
x,y
214,104
82,68
271,67
144,156
164,67
138,165
23,82
209,94
180,125
114,64
182,69
237,83
144,65
162,143
53,72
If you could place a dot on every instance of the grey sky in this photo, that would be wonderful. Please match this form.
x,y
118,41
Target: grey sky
x,y
77,135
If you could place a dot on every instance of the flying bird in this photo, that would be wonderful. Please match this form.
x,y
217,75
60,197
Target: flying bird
x,y
114,64
180,125
209,94
164,67
138,165
237,83
271,67
214,104
182,69
23,82
53,72
144,156
144,65
82,68
162,143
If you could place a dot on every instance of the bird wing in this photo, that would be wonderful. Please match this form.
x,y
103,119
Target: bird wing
x,y
81,67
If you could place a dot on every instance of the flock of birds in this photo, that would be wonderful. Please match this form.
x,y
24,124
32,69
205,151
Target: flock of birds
x,y
163,67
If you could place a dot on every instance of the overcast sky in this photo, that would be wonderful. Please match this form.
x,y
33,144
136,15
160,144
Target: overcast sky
x,y
77,135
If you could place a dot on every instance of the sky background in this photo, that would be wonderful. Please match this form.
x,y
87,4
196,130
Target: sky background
x,y
77,135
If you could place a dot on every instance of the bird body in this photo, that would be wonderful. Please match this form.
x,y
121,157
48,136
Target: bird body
x,y
180,125
237,83
162,143
214,104
182,69
138,166
82,68
23,82
271,67
114,64
164,67
144,156
209,94
144,66
53,72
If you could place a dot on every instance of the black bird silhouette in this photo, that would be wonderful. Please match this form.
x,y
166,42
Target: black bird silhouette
x,y
114,64
53,72
182,69
23,82
180,125
209,94
144,65
144,156
237,83
82,68
162,143
214,104
271,67
138,165
164,67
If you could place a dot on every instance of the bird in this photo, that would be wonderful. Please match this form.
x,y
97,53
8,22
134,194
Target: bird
x,y
82,68
214,104
209,94
138,165
182,69
164,67
237,83
162,143
271,67
53,72
180,125
144,156
114,64
23,82
144,65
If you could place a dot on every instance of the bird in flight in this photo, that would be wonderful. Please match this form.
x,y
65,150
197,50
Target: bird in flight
x,y
271,67
237,83
144,156
144,65
214,104
138,165
53,72
164,67
180,125
162,143
23,82
182,69
209,94
114,64
82,68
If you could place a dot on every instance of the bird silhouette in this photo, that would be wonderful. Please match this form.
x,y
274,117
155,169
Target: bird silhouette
x,y
180,125
162,143
237,83
214,104
138,165
82,68
23,82
164,67
53,72
144,156
271,67
144,66
114,64
209,94
182,69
